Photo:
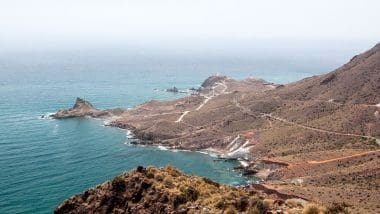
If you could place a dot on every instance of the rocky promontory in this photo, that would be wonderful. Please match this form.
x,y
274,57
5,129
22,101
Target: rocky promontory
x,y
83,108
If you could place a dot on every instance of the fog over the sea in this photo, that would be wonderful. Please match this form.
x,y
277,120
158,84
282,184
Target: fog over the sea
x,y
55,24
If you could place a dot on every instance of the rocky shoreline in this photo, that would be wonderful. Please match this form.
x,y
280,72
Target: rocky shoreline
x,y
114,118
316,138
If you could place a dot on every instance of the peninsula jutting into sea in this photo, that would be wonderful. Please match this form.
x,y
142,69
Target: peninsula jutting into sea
x,y
315,144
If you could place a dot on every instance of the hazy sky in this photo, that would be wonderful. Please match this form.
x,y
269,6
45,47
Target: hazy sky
x,y
26,23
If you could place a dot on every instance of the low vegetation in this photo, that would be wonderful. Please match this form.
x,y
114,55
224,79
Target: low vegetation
x,y
168,190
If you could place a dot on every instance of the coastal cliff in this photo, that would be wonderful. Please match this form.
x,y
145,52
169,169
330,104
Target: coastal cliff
x,y
317,138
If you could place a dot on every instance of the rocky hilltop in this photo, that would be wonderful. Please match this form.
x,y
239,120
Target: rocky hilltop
x,y
317,138
168,190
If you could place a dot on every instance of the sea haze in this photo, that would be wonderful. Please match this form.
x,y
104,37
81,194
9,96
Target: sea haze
x,y
43,161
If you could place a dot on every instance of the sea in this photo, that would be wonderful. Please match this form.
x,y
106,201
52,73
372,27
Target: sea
x,y
44,161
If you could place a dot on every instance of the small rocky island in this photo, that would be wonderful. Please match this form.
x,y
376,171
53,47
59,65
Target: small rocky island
x,y
174,89
317,139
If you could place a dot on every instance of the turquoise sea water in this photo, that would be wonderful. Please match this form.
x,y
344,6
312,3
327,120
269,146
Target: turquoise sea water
x,y
44,161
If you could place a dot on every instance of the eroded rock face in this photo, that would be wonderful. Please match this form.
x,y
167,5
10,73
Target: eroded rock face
x,y
81,104
81,108
168,190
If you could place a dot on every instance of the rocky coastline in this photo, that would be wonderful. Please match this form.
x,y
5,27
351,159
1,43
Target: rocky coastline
x,y
317,138
115,118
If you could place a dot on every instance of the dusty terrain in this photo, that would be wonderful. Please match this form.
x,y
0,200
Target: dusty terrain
x,y
318,138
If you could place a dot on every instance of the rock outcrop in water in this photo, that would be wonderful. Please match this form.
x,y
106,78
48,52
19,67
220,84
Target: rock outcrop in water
x,y
83,108
173,90
167,190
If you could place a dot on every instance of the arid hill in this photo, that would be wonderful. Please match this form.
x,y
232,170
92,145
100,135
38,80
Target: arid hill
x,y
318,138
355,82
168,190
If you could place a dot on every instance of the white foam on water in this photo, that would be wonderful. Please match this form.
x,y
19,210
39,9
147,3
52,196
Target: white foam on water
x,y
46,116
211,152
162,148
180,150
203,152
129,134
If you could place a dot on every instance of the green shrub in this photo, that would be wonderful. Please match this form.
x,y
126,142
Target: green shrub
x,y
118,183
168,182
159,177
256,205
242,204
221,204
190,194
178,200
149,175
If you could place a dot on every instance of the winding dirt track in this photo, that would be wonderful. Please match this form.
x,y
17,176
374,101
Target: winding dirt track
x,y
207,98
181,117
248,111
342,158
317,129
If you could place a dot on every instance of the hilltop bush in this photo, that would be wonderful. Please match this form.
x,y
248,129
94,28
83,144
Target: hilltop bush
x,y
190,194
256,205
118,184
242,204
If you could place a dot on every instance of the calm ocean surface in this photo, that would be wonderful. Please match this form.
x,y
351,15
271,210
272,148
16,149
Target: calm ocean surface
x,y
44,161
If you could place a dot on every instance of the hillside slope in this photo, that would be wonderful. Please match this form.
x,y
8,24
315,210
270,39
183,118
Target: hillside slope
x,y
355,82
